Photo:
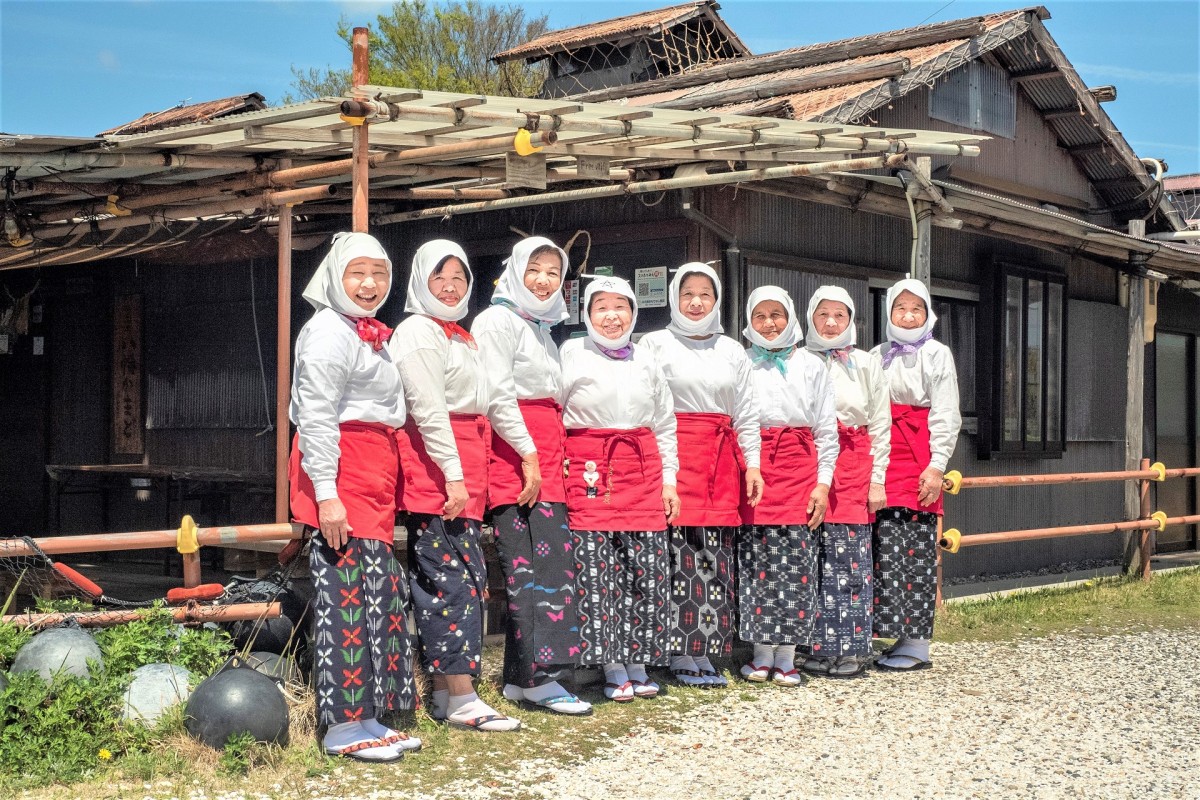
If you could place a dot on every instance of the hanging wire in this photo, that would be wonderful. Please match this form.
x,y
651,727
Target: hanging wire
x,y
262,369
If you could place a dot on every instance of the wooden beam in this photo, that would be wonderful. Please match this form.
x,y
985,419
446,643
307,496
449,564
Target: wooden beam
x,y
1036,75
1103,94
1019,189
766,89
283,361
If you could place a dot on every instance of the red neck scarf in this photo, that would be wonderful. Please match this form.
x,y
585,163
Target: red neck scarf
x,y
372,331
453,329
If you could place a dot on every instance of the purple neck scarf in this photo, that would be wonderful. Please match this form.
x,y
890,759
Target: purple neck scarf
x,y
901,349
620,354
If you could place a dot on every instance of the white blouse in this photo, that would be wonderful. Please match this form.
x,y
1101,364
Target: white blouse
x,y
927,379
863,399
801,399
338,378
710,376
601,392
441,376
522,363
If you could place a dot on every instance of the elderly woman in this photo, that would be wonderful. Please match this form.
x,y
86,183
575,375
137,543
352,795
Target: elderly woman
x,y
443,480
526,493
841,640
923,388
621,466
346,404
777,552
717,429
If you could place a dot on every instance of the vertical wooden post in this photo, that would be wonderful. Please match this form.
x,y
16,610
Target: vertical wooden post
x,y
923,269
1135,377
358,77
1146,538
937,598
283,362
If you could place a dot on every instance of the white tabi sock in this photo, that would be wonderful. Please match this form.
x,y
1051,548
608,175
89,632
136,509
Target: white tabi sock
x,y
785,657
378,729
907,653
637,672
466,708
615,674
764,655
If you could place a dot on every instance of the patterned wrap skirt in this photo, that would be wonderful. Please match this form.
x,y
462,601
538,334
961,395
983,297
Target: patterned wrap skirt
x,y
624,601
537,557
703,602
447,576
362,651
842,625
905,545
777,585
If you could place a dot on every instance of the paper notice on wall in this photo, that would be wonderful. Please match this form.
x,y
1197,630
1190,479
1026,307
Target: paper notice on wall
x,y
650,287
571,293
602,271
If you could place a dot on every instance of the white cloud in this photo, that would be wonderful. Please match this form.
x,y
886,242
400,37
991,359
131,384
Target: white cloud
x,y
108,60
1146,75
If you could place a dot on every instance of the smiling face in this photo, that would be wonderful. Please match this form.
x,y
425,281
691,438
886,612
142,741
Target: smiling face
x,y
366,281
768,319
908,311
830,319
543,273
449,283
697,296
610,314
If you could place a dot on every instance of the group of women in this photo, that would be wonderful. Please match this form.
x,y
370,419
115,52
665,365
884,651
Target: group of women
x,y
648,499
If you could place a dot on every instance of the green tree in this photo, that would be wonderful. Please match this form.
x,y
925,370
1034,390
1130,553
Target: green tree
x,y
446,47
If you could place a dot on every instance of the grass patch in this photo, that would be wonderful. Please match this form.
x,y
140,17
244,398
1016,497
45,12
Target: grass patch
x,y
1100,605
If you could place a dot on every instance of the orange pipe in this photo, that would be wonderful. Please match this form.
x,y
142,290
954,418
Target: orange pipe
x,y
1002,537
359,151
225,536
993,481
99,619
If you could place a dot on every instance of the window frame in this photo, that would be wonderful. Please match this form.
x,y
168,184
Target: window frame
x,y
995,444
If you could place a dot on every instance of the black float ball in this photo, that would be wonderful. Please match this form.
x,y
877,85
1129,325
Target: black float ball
x,y
271,635
274,665
235,701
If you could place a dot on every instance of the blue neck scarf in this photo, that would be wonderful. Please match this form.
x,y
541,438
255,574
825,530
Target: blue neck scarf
x,y
774,358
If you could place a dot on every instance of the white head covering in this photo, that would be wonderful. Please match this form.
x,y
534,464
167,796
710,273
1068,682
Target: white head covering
x,y
679,323
813,339
511,286
790,333
608,283
903,335
419,300
325,288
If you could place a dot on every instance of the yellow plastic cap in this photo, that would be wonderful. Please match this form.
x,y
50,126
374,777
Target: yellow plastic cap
x,y
951,540
186,541
952,481
523,143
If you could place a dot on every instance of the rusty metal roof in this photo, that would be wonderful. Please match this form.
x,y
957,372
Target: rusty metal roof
x,y
619,30
196,112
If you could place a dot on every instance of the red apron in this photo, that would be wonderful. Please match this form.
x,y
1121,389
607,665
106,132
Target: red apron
x,y
543,418
366,481
789,471
710,471
910,457
627,480
851,477
421,488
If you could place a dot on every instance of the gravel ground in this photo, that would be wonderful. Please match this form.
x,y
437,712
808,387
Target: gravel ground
x,y
1066,716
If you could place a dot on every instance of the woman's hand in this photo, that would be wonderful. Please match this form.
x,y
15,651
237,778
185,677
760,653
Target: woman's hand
x,y
456,499
670,499
754,485
876,498
531,474
929,486
335,528
818,503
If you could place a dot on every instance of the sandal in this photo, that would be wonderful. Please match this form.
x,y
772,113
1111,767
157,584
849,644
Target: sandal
x,y
645,689
789,677
358,751
619,692
817,667
402,741
858,667
917,665
754,673
690,677
567,704
714,679
478,723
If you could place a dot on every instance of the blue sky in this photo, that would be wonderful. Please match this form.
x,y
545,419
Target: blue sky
x,y
76,68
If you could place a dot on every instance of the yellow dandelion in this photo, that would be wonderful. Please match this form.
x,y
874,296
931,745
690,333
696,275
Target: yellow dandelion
x,y
104,754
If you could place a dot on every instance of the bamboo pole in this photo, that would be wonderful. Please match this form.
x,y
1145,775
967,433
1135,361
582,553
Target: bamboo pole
x,y
283,365
100,619
359,151
480,114
1006,537
69,162
223,536
640,187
